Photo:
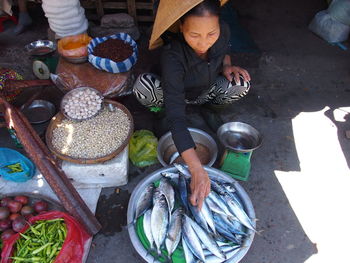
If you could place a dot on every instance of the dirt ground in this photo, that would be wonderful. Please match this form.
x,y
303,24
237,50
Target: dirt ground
x,y
299,101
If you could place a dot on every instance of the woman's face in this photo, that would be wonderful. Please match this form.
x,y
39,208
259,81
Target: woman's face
x,y
201,32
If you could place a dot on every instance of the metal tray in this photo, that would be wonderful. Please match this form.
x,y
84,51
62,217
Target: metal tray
x,y
41,47
39,111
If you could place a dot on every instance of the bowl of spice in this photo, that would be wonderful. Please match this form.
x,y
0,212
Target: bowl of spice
x,y
74,48
116,53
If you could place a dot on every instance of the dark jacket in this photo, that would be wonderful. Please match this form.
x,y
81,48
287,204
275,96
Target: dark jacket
x,y
185,76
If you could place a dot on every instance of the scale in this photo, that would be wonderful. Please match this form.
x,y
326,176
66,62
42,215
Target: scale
x,y
240,140
44,60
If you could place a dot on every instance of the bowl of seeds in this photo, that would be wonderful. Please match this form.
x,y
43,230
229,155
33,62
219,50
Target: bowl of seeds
x,y
94,140
82,103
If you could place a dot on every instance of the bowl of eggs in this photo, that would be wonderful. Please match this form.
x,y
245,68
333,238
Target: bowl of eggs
x,y
82,103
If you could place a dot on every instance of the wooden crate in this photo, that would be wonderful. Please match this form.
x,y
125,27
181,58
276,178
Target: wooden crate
x,y
141,11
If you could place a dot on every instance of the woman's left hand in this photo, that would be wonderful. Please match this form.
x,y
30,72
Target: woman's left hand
x,y
233,71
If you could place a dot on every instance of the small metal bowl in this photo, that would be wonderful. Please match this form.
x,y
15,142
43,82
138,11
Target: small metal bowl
x,y
71,93
39,111
166,144
239,136
41,47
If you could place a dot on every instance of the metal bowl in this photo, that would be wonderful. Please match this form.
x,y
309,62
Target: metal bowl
x,y
213,173
41,47
199,136
239,136
39,111
72,92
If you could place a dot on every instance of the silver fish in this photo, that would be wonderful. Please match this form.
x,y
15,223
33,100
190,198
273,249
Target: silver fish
x,y
206,212
174,232
182,186
182,169
225,249
191,238
169,175
187,252
215,208
159,221
241,215
220,202
147,228
167,189
145,201
198,216
207,241
229,254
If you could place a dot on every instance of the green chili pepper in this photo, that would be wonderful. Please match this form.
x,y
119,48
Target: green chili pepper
x,y
41,248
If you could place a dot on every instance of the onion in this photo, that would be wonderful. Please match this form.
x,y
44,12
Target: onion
x,y
5,201
27,210
5,224
40,206
18,224
7,234
14,216
14,206
22,199
4,212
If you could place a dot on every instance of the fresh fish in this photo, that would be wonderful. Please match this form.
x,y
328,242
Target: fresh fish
x,y
229,187
241,215
191,238
231,251
169,175
207,241
224,229
147,228
174,232
220,202
225,249
167,189
232,225
182,169
187,252
182,185
215,208
159,221
145,201
217,187
198,216
206,212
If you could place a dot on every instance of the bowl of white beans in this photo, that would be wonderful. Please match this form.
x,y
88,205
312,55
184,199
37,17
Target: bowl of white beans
x,y
81,103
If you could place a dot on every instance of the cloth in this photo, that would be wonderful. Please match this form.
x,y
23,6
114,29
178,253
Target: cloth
x,y
167,17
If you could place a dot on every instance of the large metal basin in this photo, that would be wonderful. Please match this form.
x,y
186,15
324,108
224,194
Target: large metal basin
x,y
213,173
198,136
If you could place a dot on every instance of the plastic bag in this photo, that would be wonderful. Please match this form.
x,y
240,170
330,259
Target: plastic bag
x,y
74,46
15,166
73,248
143,148
70,76
329,29
340,11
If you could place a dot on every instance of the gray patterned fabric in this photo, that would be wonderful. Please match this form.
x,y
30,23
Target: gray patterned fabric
x,y
149,93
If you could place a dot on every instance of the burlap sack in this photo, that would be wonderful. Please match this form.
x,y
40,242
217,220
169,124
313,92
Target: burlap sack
x,y
168,14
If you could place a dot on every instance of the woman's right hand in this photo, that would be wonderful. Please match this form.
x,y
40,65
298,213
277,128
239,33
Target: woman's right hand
x,y
200,186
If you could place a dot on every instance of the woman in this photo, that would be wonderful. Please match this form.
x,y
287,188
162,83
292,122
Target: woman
x,y
196,69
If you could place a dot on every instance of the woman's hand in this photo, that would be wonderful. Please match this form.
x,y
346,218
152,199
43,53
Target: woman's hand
x,y
232,71
200,187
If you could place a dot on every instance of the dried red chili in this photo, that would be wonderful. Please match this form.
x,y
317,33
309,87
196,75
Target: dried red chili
x,y
113,49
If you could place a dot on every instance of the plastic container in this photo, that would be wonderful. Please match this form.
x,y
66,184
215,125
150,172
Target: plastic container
x,y
136,232
110,65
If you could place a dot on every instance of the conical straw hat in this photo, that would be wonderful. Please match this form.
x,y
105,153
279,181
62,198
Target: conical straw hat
x,y
167,17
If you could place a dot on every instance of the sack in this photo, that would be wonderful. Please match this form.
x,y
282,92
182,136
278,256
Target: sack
x,y
15,166
143,148
340,11
329,29
73,248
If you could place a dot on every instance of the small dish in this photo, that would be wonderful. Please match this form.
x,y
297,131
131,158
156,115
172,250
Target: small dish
x,y
41,47
39,111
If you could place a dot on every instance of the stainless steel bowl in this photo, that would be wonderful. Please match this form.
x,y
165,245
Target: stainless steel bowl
x,y
213,173
39,111
72,92
239,136
198,136
41,47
